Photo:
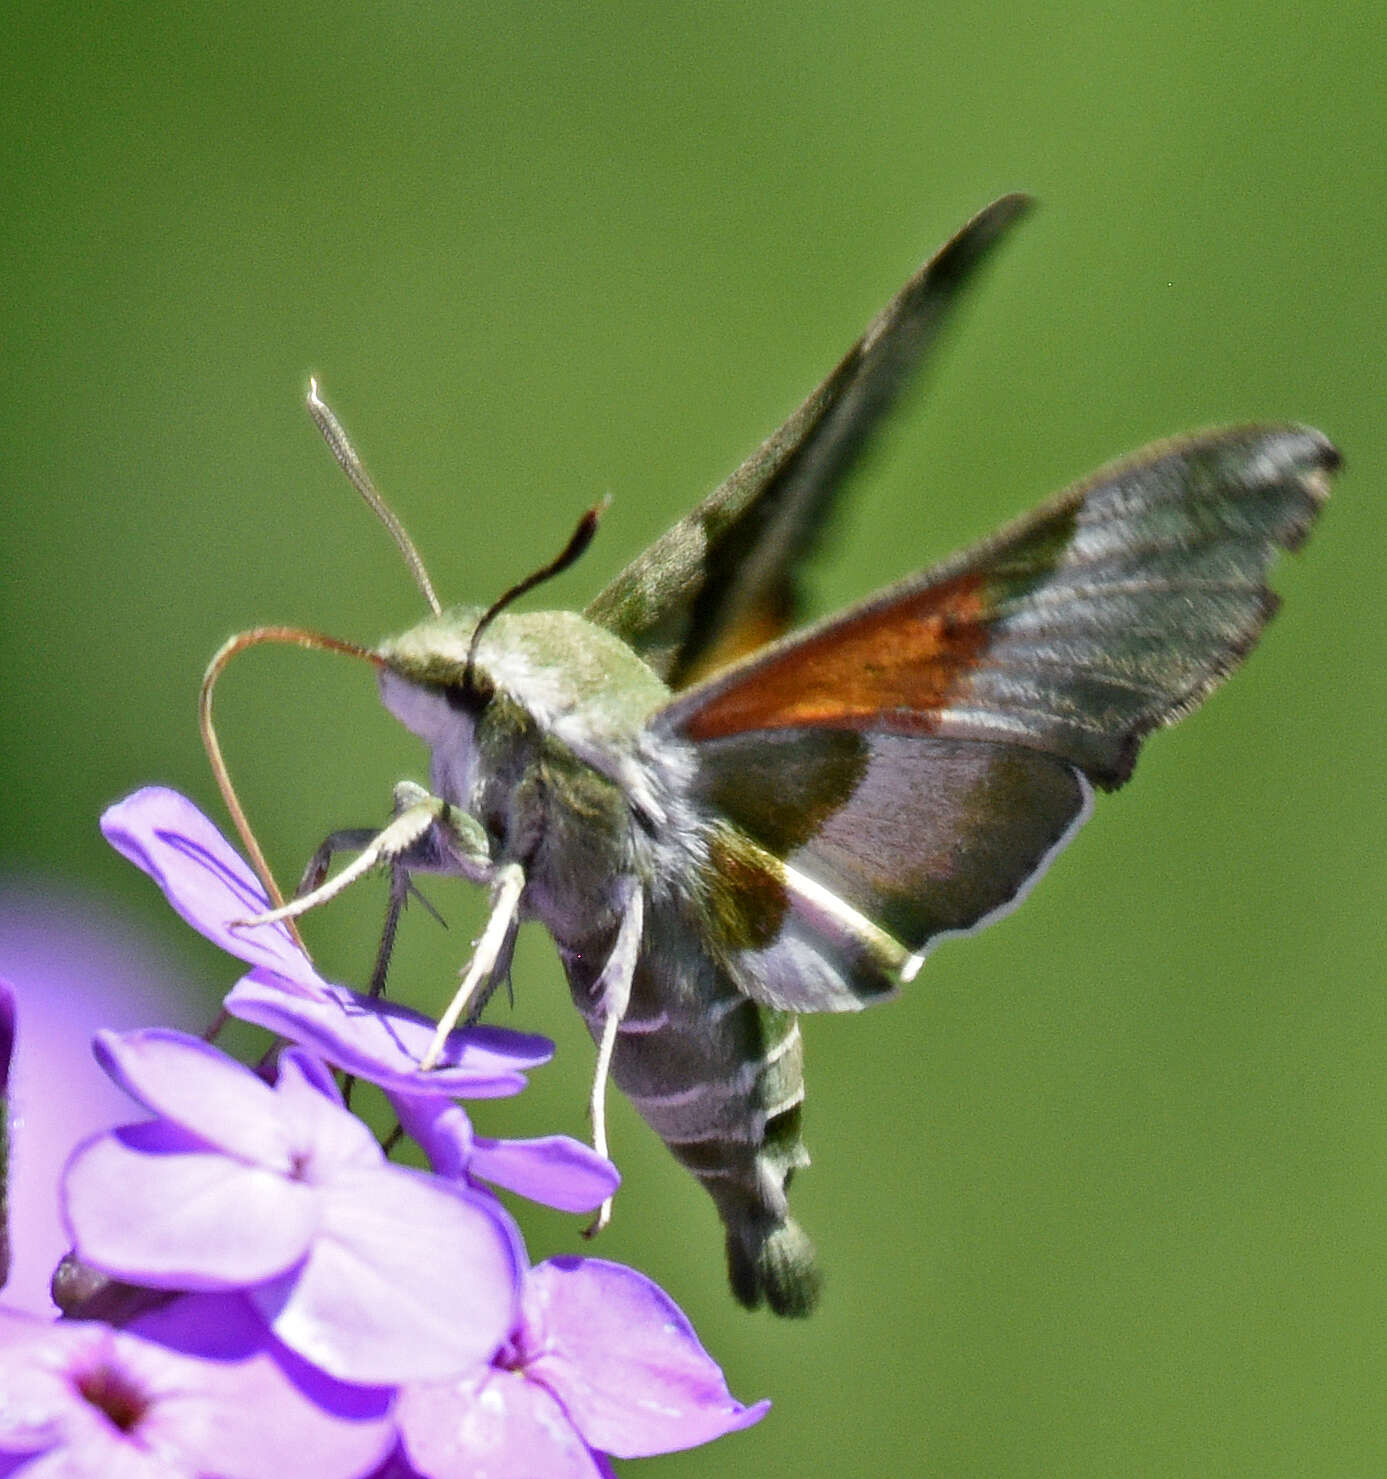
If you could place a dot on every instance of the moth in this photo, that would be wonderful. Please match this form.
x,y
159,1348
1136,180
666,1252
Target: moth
x,y
722,825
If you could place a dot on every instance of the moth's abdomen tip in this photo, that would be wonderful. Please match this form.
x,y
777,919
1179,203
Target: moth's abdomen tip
x,y
775,1267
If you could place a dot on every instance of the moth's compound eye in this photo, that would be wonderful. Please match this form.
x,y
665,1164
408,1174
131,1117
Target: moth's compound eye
x,y
470,698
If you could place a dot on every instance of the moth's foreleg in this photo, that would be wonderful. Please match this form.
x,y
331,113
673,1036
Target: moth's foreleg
x,y
612,991
493,948
427,834
357,839
349,839
448,846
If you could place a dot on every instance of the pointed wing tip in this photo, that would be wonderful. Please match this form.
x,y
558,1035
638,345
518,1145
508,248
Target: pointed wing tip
x,y
1309,458
1007,208
983,229
1312,447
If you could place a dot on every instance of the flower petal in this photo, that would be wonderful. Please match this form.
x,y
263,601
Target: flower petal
x,y
492,1423
227,1405
409,1278
624,1361
49,1426
203,877
145,1203
285,1408
439,1127
77,965
6,1050
6,1033
183,1079
383,1042
553,1169
325,1136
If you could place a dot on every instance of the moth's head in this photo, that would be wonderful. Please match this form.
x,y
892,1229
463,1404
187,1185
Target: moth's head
x,y
436,677
431,679
444,675
543,668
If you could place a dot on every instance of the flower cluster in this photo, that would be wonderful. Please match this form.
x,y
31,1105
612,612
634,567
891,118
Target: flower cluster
x,y
256,1288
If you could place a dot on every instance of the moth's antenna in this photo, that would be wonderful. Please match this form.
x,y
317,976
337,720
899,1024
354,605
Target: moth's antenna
x,y
341,448
294,637
578,541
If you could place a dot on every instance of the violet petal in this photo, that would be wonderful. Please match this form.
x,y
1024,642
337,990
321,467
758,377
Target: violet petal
x,y
227,1327
396,1466
409,1278
383,1042
143,1204
326,1138
439,1127
77,965
183,1079
623,1359
555,1170
6,1034
202,876
493,1422
6,1050
239,1415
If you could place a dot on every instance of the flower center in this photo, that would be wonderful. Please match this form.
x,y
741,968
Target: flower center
x,y
113,1393
508,1358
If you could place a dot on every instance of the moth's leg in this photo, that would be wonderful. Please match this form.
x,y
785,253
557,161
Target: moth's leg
x,y
427,834
349,839
400,889
402,886
418,858
492,949
612,989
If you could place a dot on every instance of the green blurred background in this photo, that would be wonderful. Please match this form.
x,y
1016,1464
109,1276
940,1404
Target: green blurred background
x,y
1104,1194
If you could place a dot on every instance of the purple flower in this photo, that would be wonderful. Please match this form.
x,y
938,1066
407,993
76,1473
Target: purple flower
x,y
374,1272
328,1311
554,1170
201,1390
601,1362
206,881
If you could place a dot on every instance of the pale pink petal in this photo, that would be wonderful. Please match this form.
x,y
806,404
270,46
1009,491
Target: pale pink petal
x,y
623,1359
143,1206
188,1081
409,1278
491,1425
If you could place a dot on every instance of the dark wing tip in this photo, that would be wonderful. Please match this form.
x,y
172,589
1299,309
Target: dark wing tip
x,y
1318,460
1290,457
957,258
1302,457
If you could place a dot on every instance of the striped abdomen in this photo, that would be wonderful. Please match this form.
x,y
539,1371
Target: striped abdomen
x,y
720,1080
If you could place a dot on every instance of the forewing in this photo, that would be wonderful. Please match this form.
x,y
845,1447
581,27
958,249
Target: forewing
x,y
907,769
721,582
1114,608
